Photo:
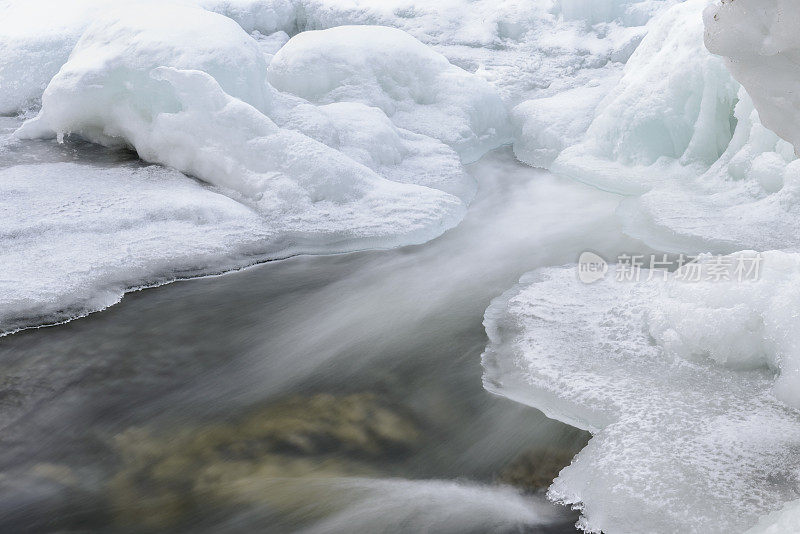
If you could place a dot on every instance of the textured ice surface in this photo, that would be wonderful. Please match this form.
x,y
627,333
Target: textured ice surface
x,y
75,237
677,382
746,199
672,105
389,69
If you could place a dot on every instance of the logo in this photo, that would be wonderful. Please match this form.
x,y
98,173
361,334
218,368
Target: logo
x,y
591,268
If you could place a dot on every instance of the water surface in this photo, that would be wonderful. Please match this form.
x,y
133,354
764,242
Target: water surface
x,y
322,394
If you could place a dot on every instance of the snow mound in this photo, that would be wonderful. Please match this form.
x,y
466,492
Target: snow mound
x,y
761,45
673,105
366,135
36,38
677,381
195,100
387,68
121,86
680,136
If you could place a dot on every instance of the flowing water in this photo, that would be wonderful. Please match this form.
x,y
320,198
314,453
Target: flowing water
x,y
320,394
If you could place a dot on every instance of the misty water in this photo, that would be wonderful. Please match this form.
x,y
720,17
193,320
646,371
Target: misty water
x,y
334,393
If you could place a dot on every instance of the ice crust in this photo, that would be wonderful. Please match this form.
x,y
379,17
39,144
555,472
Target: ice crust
x,y
677,381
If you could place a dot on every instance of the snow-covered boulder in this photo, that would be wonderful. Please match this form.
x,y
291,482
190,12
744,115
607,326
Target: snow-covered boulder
x,y
36,38
389,69
761,45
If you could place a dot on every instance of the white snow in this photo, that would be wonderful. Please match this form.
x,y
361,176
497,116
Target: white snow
x,y
677,381
761,44
387,68
36,38
75,236
680,136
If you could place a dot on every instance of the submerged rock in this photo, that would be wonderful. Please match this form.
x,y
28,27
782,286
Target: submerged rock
x,y
263,458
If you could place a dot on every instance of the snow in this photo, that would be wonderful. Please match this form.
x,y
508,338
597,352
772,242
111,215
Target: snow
x,y
76,236
677,382
672,105
366,135
761,46
196,100
387,68
681,137
35,40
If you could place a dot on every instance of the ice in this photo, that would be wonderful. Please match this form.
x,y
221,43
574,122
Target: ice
x,y
673,105
760,42
681,384
678,135
387,68
121,86
270,44
366,135
76,237
265,16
